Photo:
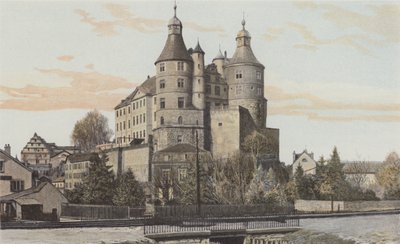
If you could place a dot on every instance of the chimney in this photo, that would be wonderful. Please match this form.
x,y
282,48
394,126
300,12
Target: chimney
x,y
7,148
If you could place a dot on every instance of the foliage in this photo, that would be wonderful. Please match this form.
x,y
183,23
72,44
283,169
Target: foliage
x,y
389,176
90,131
128,191
358,173
233,177
305,184
257,144
99,185
75,195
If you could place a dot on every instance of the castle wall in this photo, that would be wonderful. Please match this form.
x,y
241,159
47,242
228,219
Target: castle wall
x,y
168,136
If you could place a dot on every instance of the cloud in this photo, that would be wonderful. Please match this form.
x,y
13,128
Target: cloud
x,y
315,107
86,90
89,66
65,58
125,18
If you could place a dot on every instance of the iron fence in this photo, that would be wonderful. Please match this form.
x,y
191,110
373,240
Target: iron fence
x,y
95,212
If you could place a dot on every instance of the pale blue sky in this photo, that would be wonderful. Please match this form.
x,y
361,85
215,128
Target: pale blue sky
x,y
332,68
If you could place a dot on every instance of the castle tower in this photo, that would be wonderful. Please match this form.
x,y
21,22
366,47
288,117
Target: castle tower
x,y
219,61
198,77
245,77
175,117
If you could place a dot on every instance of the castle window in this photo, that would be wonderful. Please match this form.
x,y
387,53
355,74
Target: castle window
x,y
144,118
198,81
124,125
180,66
181,102
129,124
238,90
162,103
116,113
179,138
120,125
129,110
162,84
124,111
139,103
219,124
180,82
259,91
144,133
155,100
208,89
140,134
137,119
117,126
140,119
120,112
180,120
162,120
258,75
162,67
133,106
239,74
133,120
154,115
217,90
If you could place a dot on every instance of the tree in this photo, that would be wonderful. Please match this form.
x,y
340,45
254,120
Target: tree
x,y
333,179
75,195
357,173
389,176
257,144
128,191
91,131
99,184
233,177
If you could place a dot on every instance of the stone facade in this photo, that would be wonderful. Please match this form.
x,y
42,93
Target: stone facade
x,y
77,167
221,102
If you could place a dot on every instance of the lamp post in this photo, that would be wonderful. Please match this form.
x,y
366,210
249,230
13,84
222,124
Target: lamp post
x,y
197,174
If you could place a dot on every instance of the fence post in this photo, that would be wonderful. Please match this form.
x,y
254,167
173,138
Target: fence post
x,y
129,212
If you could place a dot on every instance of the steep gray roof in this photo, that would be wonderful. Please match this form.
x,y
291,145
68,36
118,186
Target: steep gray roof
x,y
148,87
244,54
174,49
198,49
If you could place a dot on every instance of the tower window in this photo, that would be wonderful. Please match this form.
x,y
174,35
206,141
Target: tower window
x,y
129,124
162,84
144,118
258,75
239,74
179,138
117,113
154,115
162,120
133,120
180,82
180,66
155,100
217,90
181,102
133,106
180,120
162,103
162,67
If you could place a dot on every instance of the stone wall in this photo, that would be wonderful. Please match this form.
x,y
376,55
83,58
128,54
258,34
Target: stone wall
x,y
325,206
371,205
317,205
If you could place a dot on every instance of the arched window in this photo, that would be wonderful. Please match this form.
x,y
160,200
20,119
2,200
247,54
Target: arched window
x,y
162,120
180,120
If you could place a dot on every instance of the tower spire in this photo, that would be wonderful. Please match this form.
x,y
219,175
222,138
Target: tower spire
x,y
175,9
243,21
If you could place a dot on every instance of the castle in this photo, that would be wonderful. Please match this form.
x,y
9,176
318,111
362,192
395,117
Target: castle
x,y
188,104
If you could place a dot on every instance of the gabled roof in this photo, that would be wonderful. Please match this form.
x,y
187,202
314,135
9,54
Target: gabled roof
x,y
147,87
15,160
24,193
298,155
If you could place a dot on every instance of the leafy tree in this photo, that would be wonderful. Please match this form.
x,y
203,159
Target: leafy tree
x,y
389,176
233,177
128,191
257,144
75,195
91,131
99,184
357,173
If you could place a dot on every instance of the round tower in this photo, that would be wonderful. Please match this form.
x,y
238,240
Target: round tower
x,y
198,98
219,61
245,77
176,119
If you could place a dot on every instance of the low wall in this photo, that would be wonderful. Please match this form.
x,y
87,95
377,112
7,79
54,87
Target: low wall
x,y
338,206
318,206
372,205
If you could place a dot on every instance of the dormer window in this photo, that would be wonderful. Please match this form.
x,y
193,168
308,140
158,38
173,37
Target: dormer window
x,y
162,67
180,66
239,74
